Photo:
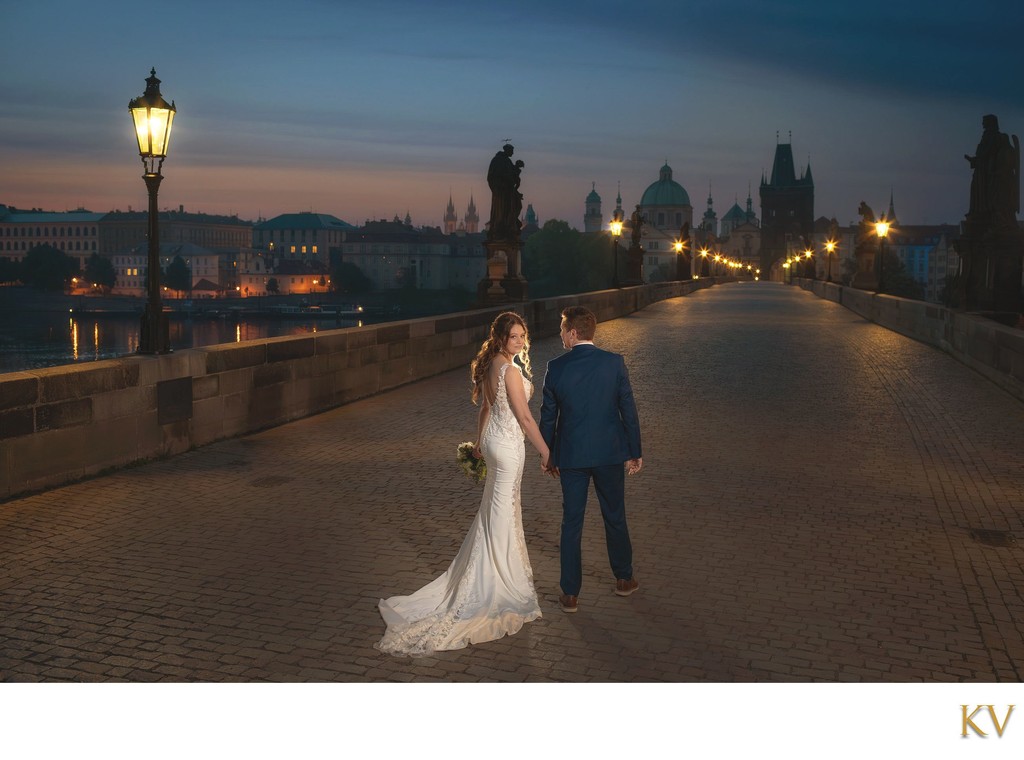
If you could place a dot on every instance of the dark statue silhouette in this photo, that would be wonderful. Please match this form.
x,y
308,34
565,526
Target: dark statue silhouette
x,y
503,178
995,185
991,244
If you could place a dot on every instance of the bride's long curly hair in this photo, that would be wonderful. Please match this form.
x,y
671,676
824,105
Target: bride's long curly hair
x,y
494,345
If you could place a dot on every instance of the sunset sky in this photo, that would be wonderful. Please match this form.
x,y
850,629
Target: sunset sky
x,y
370,109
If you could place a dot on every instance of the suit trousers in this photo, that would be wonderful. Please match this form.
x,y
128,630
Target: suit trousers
x,y
610,485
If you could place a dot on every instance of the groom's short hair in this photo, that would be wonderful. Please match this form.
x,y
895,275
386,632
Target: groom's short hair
x,y
582,320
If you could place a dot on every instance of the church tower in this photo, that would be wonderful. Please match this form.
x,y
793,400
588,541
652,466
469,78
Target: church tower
x,y
787,208
592,221
472,219
451,221
890,215
710,221
619,215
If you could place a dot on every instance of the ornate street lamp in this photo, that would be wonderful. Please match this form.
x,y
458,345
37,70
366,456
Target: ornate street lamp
x,y
882,230
152,117
680,246
830,248
616,229
704,266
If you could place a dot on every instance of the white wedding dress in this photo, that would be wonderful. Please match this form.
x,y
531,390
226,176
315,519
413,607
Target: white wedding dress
x,y
487,592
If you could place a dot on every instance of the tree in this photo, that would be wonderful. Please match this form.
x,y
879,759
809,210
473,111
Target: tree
x,y
100,270
559,260
46,268
178,276
349,278
272,286
10,270
897,281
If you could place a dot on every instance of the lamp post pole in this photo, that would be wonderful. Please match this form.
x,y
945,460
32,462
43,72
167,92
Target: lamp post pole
x,y
152,116
882,230
616,228
830,248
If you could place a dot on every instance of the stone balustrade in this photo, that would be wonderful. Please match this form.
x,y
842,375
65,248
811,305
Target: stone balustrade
x,y
65,423
993,349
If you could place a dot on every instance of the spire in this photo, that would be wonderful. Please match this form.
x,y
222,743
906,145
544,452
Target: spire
x,y
450,218
710,202
891,215
783,170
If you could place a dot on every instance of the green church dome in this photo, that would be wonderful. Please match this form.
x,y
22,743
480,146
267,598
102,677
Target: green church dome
x,y
665,192
735,214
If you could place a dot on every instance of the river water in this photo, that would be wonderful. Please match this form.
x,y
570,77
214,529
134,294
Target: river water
x,y
31,340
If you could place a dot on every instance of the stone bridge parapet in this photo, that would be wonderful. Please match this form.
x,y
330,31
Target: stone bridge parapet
x,y
61,424
993,349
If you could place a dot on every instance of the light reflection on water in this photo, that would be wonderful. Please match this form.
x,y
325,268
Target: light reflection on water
x,y
45,339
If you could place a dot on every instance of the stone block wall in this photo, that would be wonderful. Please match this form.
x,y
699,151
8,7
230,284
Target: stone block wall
x,y
993,349
64,423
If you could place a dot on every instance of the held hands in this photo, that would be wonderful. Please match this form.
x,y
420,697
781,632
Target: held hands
x,y
546,468
633,466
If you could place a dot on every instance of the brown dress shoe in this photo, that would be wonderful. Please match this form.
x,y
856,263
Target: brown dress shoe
x,y
568,603
625,587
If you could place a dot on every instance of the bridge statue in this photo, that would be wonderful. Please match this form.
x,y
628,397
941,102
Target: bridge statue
x,y
865,250
991,246
504,281
503,178
635,254
995,184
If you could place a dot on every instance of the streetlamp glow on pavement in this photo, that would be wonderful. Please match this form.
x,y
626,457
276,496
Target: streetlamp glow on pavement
x,y
153,117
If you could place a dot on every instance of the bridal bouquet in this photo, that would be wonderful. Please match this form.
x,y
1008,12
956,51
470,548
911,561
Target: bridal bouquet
x,y
473,467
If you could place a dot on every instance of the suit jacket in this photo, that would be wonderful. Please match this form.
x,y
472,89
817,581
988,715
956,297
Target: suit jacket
x,y
588,417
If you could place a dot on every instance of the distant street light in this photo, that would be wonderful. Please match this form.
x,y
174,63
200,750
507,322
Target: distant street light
x,y
830,248
680,246
152,116
616,230
704,270
882,230
810,264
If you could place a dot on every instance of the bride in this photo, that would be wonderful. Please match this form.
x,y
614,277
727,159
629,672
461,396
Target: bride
x,y
487,592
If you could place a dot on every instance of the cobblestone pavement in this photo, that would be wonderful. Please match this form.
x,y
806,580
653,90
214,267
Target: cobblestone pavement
x,y
813,507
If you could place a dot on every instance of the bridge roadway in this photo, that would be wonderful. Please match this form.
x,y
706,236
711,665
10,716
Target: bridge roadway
x,y
809,511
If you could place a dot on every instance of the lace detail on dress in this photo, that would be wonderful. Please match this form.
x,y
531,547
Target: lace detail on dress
x,y
423,637
487,591
502,422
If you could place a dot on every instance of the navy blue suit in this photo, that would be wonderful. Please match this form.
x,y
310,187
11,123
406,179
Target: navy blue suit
x,y
588,420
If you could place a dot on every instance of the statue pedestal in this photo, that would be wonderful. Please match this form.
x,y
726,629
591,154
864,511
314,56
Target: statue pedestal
x,y
992,267
504,282
634,274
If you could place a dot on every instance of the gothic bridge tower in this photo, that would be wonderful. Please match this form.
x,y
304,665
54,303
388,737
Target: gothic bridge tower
x,y
787,209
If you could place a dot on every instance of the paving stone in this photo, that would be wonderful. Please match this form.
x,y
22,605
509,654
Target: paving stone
x,y
810,485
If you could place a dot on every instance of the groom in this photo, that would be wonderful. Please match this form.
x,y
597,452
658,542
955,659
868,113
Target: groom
x,y
588,420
